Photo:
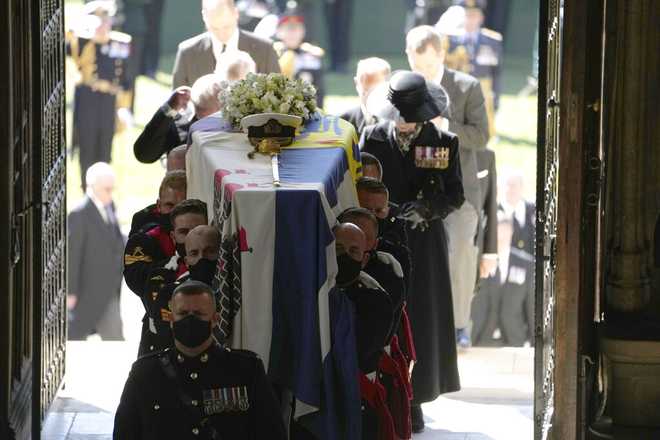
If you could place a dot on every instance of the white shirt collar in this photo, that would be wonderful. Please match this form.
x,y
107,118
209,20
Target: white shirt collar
x,y
441,73
98,205
218,45
503,265
517,212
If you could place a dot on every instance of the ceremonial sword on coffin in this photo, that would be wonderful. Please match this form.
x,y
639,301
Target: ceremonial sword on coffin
x,y
268,134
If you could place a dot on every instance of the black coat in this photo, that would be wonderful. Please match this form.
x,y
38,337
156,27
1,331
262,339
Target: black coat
x,y
356,117
95,250
373,320
150,406
160,136
429,290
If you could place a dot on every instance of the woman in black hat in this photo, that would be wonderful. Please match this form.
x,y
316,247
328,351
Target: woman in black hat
x,y
421,169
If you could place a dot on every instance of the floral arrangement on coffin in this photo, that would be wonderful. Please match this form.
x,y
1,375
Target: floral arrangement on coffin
x,y
268,93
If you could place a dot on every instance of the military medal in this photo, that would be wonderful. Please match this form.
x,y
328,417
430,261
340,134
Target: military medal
x,y
234,399
432,157
243,402
213,403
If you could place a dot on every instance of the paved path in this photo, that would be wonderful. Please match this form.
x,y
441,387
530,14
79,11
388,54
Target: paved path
x,y
495,403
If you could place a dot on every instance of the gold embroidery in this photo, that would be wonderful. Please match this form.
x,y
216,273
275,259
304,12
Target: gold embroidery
x,y
136,256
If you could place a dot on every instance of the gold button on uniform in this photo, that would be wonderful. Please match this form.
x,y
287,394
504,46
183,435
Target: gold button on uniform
x,y
195,431
193,376
204,357
195,403
156,407
179,358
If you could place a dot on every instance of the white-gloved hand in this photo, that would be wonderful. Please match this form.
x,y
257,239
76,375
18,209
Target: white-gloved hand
x,y
415,219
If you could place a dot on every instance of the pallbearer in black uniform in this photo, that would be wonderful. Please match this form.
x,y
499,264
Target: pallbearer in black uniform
x,y
478,52
198,390
421,169
100,56
297,58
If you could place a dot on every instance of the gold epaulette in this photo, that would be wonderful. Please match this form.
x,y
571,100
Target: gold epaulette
x,y
120,37
314,50
491,34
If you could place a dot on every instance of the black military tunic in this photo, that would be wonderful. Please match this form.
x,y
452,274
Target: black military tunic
x,y
440,190
171,396
145,252
103,80
156,332
373,320
147,216
393,239
386,270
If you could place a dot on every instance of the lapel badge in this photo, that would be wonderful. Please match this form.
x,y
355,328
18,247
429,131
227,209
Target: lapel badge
x,y
154,295
432,157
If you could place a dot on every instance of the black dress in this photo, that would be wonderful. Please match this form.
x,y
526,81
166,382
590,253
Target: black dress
x,y
429,292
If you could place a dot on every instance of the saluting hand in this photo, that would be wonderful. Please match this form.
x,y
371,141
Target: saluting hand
x,y
179,99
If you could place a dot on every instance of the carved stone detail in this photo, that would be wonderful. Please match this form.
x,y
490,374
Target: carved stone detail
x,y
628,126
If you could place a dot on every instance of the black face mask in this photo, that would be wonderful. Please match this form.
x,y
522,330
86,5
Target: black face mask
x,y
181,249
349,269
204,270
191,331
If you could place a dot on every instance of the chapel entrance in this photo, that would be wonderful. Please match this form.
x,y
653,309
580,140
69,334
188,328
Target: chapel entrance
x,y
33,211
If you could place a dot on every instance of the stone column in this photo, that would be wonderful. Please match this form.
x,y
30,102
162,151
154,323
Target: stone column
x,y
627,127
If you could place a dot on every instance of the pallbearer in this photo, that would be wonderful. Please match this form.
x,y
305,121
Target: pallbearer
x,y
421,169
197,390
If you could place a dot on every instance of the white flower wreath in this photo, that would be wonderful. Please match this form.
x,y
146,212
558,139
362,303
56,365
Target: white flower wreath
x,y
267,93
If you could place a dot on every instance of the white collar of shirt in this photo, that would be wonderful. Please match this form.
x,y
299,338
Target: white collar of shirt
x,y
517,212
503,263
98,205
441,73
219,46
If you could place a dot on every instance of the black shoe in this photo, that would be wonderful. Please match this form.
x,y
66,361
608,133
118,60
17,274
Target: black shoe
x,y
417,419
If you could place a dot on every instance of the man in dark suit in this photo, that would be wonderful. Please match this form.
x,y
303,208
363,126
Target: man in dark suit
x,y
523,215
500,301
199,55
370,73
95,260
466,117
